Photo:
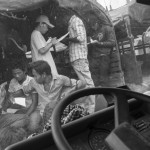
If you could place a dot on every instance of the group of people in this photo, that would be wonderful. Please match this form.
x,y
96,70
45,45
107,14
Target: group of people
x,y
46,88
78,50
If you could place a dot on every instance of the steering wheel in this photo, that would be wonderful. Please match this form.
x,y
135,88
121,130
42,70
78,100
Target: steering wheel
x,y
121,109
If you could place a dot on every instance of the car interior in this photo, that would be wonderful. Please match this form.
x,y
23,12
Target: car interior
x,y
129,114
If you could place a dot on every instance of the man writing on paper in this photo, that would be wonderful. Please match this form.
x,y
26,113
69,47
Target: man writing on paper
x,y
39,47
102,44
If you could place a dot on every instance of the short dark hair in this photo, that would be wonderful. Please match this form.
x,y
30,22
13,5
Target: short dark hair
x,y
19,64
41,66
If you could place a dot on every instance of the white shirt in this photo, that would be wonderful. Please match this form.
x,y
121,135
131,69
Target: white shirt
x,y
15,86
38,42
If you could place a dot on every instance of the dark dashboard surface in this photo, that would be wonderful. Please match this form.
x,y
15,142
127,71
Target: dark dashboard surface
x,y
90,132
90,139
93,138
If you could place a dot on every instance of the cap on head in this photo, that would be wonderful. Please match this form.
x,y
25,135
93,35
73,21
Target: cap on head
x,y
44,19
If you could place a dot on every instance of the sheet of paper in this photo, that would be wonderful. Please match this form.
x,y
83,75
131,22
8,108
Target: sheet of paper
x,y
58,40
61,38
28,53
92,41
9,110
20,101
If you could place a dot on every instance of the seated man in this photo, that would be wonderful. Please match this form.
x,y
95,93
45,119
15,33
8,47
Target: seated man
x,y
50,88
16,90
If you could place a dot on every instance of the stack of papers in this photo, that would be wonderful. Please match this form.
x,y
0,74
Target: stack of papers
x,y
20,101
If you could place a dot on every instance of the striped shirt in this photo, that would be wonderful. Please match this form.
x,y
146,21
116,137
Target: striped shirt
x,y
77,29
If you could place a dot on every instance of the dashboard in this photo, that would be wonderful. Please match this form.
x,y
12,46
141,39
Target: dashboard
x,y
94,137
90,132
91,139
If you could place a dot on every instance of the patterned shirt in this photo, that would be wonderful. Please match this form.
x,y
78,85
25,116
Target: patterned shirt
x,y
15,86
77,29
58,85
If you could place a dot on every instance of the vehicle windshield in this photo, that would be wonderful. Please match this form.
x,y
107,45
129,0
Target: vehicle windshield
x,y
51,48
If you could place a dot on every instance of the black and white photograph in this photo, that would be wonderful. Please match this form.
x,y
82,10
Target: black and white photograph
x,y
74,74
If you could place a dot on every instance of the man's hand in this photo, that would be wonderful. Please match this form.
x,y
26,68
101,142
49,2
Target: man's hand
x,y
54,41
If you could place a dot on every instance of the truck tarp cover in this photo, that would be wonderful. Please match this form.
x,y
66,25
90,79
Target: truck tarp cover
x,y
139,15
15,5
86,5
138,12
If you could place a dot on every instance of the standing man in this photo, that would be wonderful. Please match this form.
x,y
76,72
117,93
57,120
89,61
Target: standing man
x,y
78,51
39,47
102,44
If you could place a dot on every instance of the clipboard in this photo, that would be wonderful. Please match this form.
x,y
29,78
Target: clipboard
x,y
61,38
58,40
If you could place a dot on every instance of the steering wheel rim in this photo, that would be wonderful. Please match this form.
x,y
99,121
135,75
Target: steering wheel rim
x,y
58,136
